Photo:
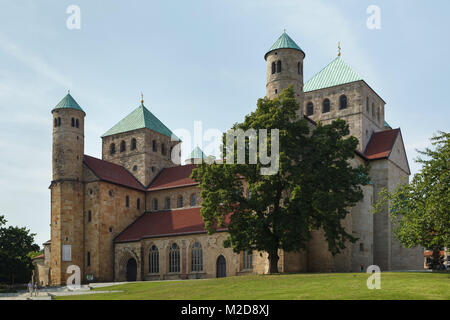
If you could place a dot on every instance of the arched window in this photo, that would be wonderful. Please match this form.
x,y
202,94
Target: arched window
x,y
56,122
59,121
367,104
279,66
155,204
138,203
197,257
127,201
123,146
273,67
77,123
193,200
247,260
73,122
342,102
154,145
378,114
153,260
174,258
373,109
180,201
299,68
89,216
167,203
326,106
163,149
309,109
133,144
112,148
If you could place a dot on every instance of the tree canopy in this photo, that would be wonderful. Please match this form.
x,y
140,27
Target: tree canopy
x,y
420,210
15,246
312,189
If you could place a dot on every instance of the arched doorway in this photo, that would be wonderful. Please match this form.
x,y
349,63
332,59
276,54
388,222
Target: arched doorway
x,y
221,267
131,270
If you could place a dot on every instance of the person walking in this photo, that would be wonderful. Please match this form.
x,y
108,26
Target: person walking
x,y
36,291
30,288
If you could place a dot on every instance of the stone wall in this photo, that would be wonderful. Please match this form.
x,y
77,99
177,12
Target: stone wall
x,y
109,217
173,194
143,162
67,228
212,248
289,74
68,145
359,119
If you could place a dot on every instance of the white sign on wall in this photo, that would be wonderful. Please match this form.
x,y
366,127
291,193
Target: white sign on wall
x,y
67,252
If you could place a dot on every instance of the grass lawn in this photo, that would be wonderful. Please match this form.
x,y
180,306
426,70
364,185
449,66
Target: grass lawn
x,y
402,285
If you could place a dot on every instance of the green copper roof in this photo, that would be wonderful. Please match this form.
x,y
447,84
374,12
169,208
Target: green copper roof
x,y
68,102
284,42
197,153
334,74
140,118
387,125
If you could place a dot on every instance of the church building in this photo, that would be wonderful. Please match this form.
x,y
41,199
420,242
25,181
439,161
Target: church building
x,y
135,215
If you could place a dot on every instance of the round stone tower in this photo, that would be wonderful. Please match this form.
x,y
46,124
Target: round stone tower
x,y
284,68
68,140
67,199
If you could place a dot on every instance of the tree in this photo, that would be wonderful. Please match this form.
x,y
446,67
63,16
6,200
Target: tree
x,y
420,211
312,189
15,245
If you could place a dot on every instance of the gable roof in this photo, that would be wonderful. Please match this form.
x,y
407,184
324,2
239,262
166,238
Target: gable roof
x,y
284,42
68,102
164,223
111,172
173,177
380,144
140,118
337,72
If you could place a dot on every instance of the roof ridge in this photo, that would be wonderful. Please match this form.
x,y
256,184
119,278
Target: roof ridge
x,y
335,73
140,118
68,102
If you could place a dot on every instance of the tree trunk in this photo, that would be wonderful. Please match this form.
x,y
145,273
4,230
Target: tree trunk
x,y
436,258
273,262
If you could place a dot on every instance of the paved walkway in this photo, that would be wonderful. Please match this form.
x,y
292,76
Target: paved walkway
x,y
49,293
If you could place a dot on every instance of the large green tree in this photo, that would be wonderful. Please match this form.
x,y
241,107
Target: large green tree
x,y
15,245
312,189
420,210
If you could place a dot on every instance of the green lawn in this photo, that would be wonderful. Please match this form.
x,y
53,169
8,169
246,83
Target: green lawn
x,y
286,286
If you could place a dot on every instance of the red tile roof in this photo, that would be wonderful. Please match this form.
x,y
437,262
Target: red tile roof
x,y
429,253
41,256
113,173
173,177
164,223
381,144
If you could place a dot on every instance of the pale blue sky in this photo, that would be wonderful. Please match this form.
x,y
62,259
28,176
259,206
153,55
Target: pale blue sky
x,y
196,60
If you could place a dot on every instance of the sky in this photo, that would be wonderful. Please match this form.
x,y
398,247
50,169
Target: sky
x,y
196,61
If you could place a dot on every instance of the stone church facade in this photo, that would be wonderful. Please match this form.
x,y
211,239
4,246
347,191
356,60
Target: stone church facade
x,y
135,214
